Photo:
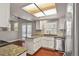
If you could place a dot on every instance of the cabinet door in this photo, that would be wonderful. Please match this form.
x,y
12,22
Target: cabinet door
x,y
36,46
45,43
48,42
30,46
37,25
51,44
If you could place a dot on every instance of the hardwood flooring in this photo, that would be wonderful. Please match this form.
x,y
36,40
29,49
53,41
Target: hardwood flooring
x,y
47,52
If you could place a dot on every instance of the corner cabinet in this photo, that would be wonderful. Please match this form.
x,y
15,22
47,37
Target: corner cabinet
x,y
33,45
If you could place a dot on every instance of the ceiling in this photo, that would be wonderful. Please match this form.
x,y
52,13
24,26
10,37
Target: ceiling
x,y
44,6
41,9
17,10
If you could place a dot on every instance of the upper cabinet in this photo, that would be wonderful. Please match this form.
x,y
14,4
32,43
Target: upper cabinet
x,y
51,27
39,25
47,27
61,24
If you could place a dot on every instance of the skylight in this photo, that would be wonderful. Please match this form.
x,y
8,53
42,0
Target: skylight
x,y
31,9
50,11
40,10
39,14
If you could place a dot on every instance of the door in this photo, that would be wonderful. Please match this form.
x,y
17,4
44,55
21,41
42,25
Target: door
x,y
24,31
29,30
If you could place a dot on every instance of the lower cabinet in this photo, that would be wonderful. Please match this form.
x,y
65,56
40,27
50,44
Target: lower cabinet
x,y
44,43
37,46
33,45
36,43
51,44
30,46
48,42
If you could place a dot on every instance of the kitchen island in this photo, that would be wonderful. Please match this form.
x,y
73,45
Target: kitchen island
x,y
12,50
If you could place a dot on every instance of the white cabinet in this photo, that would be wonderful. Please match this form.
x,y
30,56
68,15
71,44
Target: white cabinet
x,y
51,44
34,44
47,42
44,43
61,23
39,25
50,41
29,46
37,44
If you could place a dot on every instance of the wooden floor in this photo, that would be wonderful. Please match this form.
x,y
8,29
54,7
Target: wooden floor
x,y
47,52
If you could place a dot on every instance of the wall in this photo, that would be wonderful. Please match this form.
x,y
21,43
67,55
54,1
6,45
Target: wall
x,y
8,35
16,10
4,14
76,30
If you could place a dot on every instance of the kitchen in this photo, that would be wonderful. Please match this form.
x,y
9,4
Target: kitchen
x,y
47,30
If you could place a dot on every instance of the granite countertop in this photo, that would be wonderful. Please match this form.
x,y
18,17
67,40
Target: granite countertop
x,y
50,35
43,35
62,37
32,37
46,35
11,50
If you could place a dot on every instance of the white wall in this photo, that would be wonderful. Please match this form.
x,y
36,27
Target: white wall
x,y
8,36
16,10
4,22
4,14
